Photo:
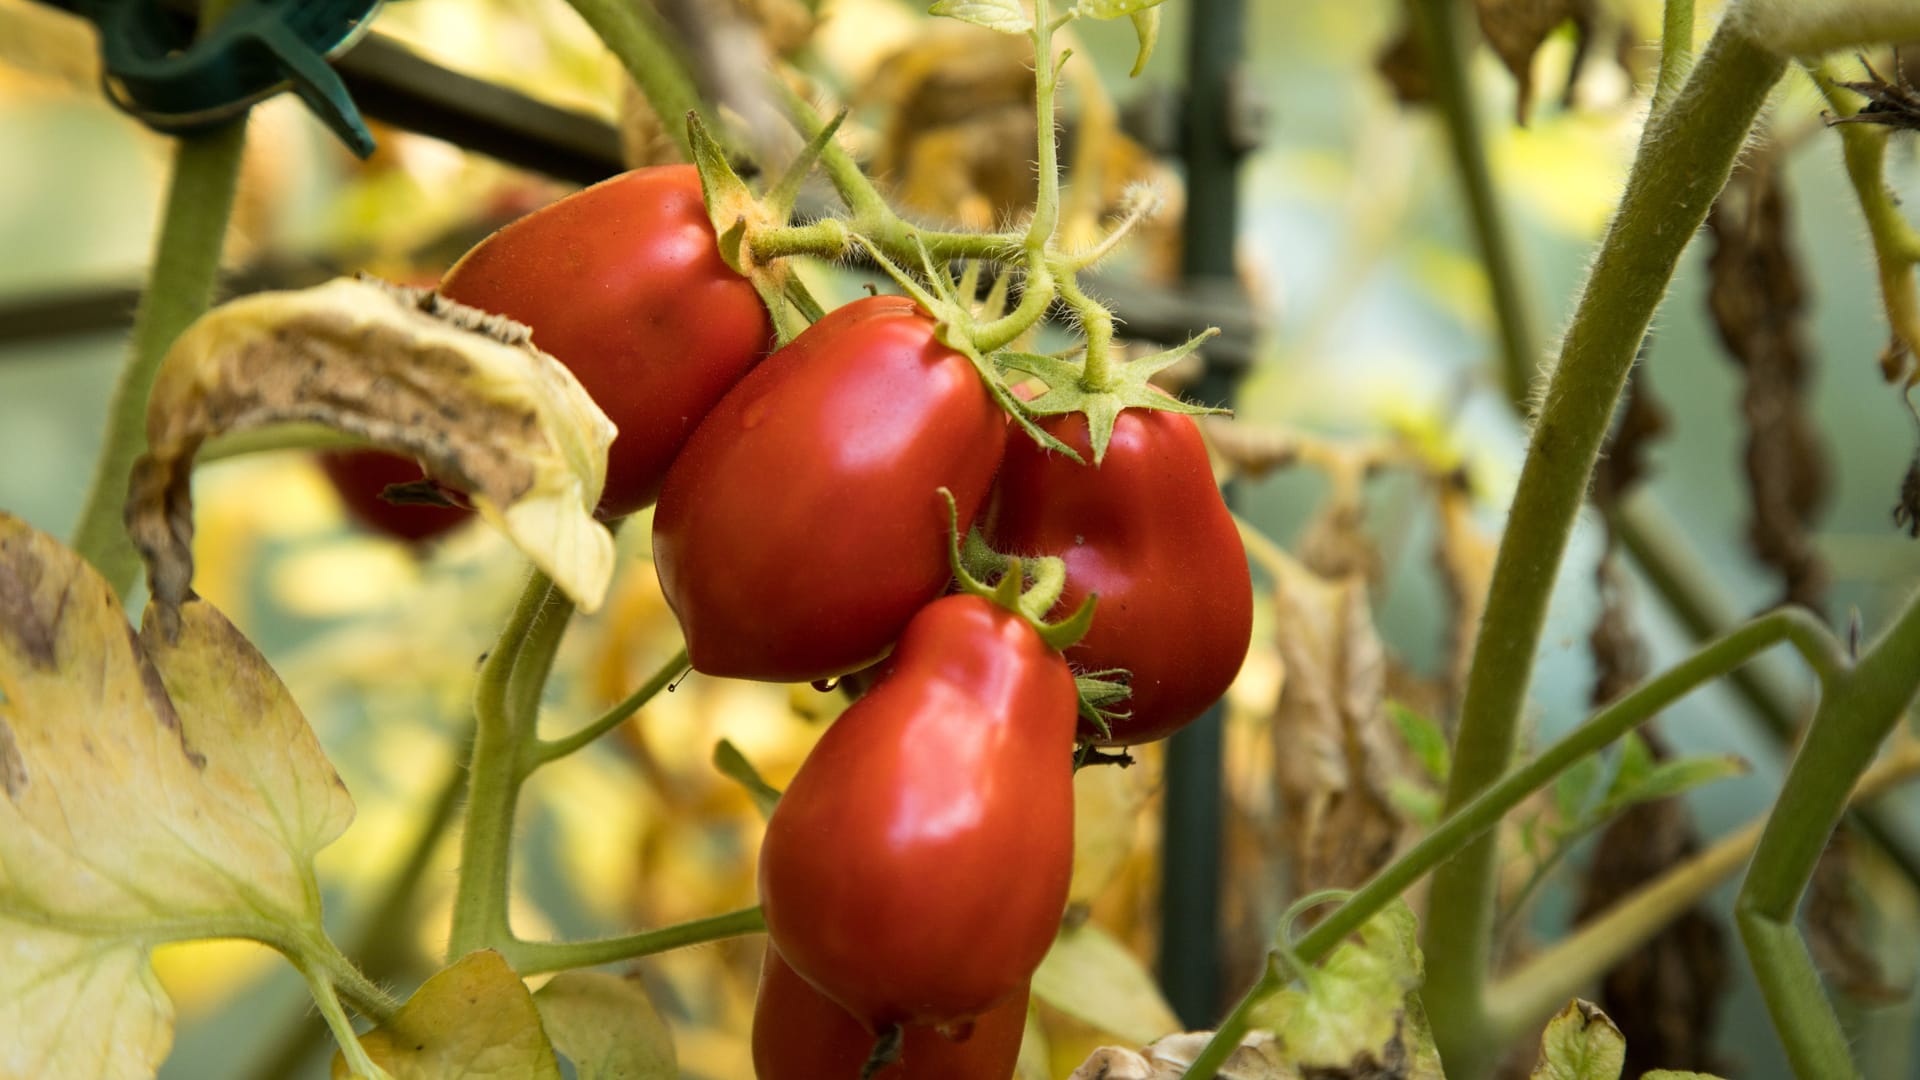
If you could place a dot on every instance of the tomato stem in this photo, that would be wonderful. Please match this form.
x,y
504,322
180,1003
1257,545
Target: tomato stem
x,y
540,957
1046,81
545,751
633,34
180,288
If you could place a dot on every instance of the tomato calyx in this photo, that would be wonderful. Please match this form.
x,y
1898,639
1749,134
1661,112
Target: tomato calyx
x,y
738,217
1102,395
1030,587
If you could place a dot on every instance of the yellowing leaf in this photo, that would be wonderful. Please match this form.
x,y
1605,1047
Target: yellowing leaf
x,y
1113,9
1091,977
1168,1059
473,1020
1106,823
1006,16
157,788
607,1027
464,392
1360,1012
1581,1043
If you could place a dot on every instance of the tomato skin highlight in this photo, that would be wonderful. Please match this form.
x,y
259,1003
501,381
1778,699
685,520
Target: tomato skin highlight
x,y
916,869
359,476
799,1034
802,525
623,283
1148,532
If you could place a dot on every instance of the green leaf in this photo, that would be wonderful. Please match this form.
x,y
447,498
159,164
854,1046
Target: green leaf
x,y
1574,791
1424,737
1360,1005
1669,778
607,1027
1635,762
153,788
1581,1043
472,1021
1146,26
1112,9
1006,16
1675,1074
1093,978
734,766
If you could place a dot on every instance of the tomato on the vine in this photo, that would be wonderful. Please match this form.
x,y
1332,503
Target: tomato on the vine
x,y
1146,531
916,869
624,284
799,1034
360,476
802,525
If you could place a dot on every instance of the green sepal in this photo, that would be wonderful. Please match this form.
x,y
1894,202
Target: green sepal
x,y
953,327
1130,389
730,205
1098,690
1008,589
734,766
781,197
1146,26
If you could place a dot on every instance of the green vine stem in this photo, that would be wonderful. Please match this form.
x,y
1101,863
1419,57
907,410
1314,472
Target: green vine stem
x,y
1438,23
1478,817
180,288
501,732
359,1064
553,750
1521,1000
1676,51
1896,244
1685,158
1857,712
1046,82
634,34
540,957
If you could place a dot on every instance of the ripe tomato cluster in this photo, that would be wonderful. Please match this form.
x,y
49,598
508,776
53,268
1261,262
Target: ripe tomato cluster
x,y
916,870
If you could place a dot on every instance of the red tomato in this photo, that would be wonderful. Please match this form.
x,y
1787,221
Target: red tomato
x,y
1148,532
802,526
359,476
623,283
800,1035
916,869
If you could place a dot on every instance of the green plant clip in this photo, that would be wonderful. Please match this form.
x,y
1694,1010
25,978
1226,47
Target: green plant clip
x,y
155,69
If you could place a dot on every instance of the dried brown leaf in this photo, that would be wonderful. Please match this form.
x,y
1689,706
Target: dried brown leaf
x,y
463,392
1666,996
1759,307
1515,30
1836,928
1337,750
1464,553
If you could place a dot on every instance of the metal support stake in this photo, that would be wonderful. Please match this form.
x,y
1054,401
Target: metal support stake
x,y
1190,880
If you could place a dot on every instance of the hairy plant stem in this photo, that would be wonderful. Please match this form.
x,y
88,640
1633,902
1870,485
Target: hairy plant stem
x,y
358,1063
1858,709
553,750
634,34
1684,161
540,957
1676,51
1438,23
180,288
1478,817
502,731
1896,244
1046,84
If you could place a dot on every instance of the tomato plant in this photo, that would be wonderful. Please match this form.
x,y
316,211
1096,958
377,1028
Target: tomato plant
x,y
360,477
916,869
802,526
623,283
1146,530
799,1034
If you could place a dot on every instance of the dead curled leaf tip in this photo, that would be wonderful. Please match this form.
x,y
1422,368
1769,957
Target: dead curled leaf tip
x,y
463,391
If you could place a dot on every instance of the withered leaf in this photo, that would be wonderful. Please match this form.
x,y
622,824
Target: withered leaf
x,y
1758,303
464,392
157,787
1516,28
1338,749
1581,1043
472,1021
